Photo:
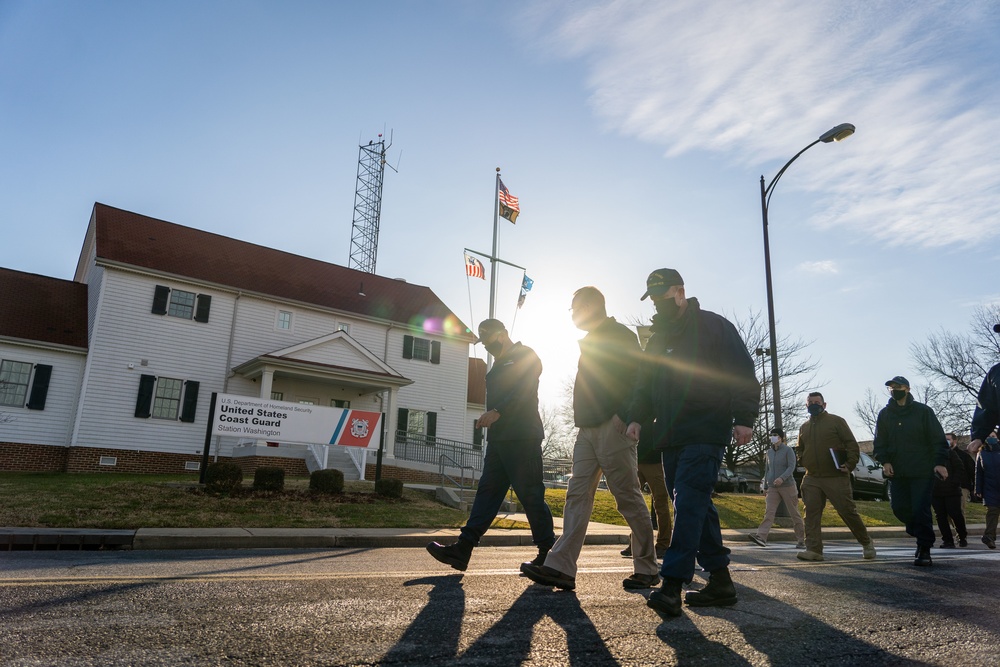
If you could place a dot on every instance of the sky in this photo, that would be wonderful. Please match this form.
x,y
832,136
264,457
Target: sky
x,y
634,133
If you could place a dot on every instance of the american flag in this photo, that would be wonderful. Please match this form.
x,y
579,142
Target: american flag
x,y
508,204
474,268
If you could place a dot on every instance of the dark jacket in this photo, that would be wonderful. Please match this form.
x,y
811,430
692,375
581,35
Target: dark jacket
x,y
696,379
956,477
609,358
512,390
988,475
910,438
986,417
968,467
818,436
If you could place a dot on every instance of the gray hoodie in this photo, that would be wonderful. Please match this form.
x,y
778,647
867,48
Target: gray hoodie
x,y
780,463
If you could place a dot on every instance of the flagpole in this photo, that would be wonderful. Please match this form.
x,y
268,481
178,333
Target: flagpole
x,y
493,258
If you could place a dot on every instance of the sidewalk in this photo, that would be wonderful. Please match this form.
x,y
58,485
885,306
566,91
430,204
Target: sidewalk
x,y
356,538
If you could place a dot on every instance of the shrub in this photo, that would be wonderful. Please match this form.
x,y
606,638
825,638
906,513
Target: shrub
x,y
269,479
326,481
223,477
390,488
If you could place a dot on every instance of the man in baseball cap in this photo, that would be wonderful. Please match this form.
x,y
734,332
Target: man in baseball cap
x,y
660,281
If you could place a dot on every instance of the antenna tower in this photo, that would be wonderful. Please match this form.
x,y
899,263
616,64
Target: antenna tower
x,y
368,204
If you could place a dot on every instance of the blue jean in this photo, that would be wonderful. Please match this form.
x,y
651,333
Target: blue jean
x,y
911,503
690,473
518,464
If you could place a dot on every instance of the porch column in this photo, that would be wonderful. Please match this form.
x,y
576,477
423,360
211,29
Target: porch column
x,y
390,425
266,380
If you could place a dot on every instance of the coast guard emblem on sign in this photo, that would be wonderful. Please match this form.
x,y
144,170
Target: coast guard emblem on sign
x,y
359,428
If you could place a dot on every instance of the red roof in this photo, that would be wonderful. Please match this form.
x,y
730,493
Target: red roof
x,y
42,309
164,247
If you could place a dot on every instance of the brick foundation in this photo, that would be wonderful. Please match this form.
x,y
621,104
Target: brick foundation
x,y
18,457
292,467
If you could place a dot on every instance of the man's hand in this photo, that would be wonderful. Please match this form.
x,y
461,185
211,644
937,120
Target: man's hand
x,y
632,432
941,472
619,425
974,446
741,434
778,481
487,419
887,470
844,469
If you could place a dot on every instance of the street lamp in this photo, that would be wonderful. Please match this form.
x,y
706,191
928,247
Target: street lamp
x,y
837,133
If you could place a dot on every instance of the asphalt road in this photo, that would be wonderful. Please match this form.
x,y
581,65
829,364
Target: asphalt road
x,y
400,607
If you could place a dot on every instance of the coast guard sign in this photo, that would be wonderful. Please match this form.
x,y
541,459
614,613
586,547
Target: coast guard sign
x,y
248,417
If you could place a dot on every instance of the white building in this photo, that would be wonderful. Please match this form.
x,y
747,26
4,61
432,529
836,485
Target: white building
x,y
172,314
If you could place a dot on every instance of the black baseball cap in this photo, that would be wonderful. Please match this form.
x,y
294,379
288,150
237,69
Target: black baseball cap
x,y
489,327
899,379
660,281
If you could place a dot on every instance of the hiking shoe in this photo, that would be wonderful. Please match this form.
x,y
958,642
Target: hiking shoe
x,y
809,555
923,557
719,592
457,555
667,600
548,576
962,542
627,551
639,581
989,542
757,539
537,560
868,550
946,545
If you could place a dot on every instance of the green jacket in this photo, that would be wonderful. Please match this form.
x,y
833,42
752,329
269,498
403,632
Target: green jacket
x,y
821,434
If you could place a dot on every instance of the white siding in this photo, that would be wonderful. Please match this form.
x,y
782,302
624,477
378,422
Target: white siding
x,y
440,388
53,425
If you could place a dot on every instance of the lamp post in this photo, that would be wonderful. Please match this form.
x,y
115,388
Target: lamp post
x,y
837,133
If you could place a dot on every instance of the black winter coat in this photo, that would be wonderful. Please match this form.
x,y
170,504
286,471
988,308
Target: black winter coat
x,y
910,438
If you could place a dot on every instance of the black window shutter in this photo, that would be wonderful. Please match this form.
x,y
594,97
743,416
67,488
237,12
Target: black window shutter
x,y
40,387
407,347
435,352
160,298
204,305
402,419
432,424
144,402
477,435
190,401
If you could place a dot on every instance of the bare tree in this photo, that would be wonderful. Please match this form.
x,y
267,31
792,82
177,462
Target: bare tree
x,y
954,364
557,422
868,408
796,377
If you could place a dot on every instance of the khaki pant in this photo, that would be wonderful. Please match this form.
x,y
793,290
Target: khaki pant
x,y
788,493
815,492
597,449
652,474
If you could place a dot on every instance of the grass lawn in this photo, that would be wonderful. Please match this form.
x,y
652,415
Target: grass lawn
x,y
59,500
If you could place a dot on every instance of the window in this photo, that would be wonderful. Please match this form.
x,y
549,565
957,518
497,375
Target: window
x,y
284,320
338,403
167,399
277,395
181,304
418,422
422,349
307,401
345,327
14,376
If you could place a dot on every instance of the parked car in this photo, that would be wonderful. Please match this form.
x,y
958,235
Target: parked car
x,y
867,480
730,481
557,482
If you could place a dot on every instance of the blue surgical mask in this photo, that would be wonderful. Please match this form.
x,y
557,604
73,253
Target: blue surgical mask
x,y
992,442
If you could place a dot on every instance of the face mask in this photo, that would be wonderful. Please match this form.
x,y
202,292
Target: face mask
x,y
667,308
775,440
814,409
992,442
899,394
494,348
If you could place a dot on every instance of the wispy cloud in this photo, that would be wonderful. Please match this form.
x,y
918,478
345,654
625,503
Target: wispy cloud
x,y
826,267
760,80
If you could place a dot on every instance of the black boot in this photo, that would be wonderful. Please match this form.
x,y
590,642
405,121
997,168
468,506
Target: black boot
x,y
457,555
720,591
539,559
667,600
923,556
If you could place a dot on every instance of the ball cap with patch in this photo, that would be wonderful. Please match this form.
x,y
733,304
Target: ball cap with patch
x,y
899,379
489,327
660,281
